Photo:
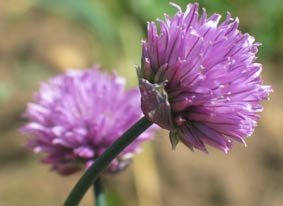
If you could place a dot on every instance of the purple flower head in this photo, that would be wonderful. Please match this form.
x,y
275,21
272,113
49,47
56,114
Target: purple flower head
x,y
199,79
77,115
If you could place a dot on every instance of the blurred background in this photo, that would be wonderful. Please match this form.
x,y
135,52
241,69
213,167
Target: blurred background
x,y
41,38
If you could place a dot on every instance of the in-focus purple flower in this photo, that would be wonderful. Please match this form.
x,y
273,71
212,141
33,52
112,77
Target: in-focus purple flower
x,y
199,79
77,115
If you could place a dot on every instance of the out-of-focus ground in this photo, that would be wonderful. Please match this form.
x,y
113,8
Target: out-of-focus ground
x,y
40,38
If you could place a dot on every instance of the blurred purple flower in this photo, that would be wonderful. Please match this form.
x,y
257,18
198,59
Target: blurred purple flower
x,y
76,116
199,79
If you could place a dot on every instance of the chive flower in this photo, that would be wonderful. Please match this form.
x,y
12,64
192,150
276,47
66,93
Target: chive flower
x,y
77,115
199,79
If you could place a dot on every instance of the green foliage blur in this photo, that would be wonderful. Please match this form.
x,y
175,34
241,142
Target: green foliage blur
x,y
262,19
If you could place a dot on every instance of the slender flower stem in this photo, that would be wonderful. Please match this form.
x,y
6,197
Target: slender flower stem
x,y
99,193
93,172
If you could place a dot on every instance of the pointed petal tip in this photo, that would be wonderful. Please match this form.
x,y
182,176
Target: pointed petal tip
x,y
176,6
174,140
204,150
226,150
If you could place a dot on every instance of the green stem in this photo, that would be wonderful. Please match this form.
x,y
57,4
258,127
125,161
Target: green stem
x,y
99,193
93,172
